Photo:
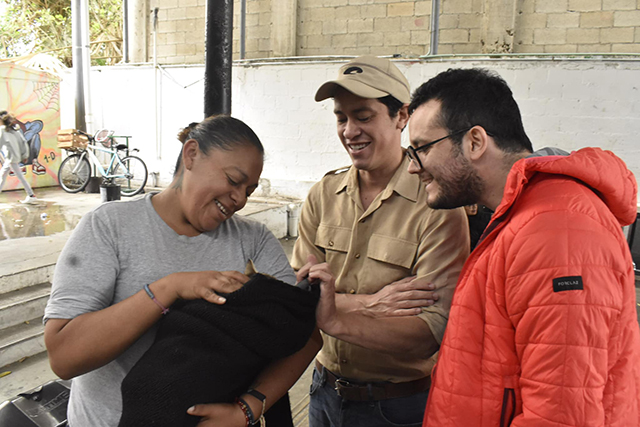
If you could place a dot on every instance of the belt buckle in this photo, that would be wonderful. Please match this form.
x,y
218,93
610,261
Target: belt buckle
x,y
340,384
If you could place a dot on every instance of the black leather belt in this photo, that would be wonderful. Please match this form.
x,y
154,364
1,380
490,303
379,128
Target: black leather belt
x,y
361,392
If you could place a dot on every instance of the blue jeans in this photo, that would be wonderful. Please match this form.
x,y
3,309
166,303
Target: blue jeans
x,y
327,409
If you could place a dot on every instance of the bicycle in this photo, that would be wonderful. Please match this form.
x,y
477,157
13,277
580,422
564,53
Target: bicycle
x,y
129,172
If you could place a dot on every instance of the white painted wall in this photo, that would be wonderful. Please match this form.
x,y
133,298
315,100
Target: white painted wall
x,y
567,104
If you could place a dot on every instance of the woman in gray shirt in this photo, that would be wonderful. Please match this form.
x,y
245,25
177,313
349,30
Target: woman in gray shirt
x,y
182,243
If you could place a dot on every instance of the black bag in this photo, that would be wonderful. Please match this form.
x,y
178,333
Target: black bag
x,y
44,406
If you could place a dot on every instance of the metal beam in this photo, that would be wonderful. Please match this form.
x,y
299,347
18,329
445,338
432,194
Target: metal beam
x,y
218,57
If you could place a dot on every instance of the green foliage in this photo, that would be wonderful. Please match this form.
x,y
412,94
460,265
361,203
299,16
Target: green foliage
x,y
30,26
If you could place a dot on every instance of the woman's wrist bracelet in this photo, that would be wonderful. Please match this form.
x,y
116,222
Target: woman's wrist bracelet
x,y
263,399
154,299
246,410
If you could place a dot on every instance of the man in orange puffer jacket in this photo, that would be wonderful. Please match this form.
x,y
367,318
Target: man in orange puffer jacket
x,y
543,328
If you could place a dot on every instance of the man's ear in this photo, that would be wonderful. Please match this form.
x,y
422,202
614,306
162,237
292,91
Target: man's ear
x,y
189,152
403,117
477,142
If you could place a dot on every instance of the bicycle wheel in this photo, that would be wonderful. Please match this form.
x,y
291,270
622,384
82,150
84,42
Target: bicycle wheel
x,y
130,175
74,173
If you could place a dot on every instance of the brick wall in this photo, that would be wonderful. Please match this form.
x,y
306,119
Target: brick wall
x,y
577,26
387,27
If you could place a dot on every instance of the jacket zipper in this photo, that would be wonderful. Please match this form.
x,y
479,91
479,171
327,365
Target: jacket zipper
x,y
508,406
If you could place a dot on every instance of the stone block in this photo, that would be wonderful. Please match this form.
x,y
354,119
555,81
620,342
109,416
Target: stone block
x,y
175,38
185,49
596,19
583,35
259,32
449,21
400,9
619,5
637,38
166,26
563,20
360,2
414,23
550,6
264,45
317,41
454,36
526,7
627,18
370,39
387,24
335,26
252,20
187,3
465,48
528,48
310,28
470,20
334,3
359,26
422,7
265,19
585,5
344,40
373,11
397,38
196,12
535,20
626,48
523,36
321,14
181,12
594,48
194,59
560,48
173,59
421,38
475,35
166,50
456,6
617,35
544,36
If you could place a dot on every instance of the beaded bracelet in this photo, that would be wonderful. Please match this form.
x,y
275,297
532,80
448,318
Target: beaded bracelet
x,y
153,298
246,410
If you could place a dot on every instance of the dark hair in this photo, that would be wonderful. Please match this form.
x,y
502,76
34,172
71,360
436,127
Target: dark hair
x,y
6,118
220,132
475,96
393,105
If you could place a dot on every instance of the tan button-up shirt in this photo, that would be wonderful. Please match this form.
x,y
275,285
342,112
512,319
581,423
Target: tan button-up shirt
x,y
397,236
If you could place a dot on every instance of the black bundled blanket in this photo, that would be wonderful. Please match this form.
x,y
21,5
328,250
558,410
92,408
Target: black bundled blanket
x,y
208,353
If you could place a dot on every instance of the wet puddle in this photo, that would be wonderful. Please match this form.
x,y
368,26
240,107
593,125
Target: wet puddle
x,y
44,219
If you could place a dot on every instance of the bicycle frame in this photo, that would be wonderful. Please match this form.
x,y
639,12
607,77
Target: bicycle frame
x,y
93,159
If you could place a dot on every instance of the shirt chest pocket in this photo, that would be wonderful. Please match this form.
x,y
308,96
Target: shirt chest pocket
x,y
333,239
391,250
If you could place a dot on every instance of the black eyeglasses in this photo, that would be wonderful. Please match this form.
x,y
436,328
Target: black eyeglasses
x,y
413,152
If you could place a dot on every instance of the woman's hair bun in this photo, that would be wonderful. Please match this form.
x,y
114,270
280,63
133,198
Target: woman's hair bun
x,y
183,135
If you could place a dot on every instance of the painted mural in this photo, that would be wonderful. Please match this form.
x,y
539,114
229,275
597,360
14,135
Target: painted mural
x,y
34,98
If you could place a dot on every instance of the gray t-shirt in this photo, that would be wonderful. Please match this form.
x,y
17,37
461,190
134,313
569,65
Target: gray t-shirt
x,y
118,248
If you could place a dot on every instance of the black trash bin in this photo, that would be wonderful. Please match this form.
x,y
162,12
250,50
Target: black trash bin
x,y
109,191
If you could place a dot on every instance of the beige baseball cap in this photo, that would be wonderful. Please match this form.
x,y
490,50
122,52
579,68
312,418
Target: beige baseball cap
x,y
368,77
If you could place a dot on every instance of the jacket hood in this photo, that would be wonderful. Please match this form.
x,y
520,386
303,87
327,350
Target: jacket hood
x,y
606,174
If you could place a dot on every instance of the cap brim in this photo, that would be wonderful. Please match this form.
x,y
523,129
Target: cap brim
x,y
328,89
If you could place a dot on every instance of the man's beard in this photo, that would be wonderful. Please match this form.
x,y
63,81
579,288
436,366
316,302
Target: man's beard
x,y
459,185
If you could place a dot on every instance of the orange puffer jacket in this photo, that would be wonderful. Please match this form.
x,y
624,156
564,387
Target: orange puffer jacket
x,y
543,328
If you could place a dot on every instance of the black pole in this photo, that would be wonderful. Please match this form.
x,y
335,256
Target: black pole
x,y
218,57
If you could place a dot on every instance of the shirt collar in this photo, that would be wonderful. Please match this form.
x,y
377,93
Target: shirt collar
x,y
402,182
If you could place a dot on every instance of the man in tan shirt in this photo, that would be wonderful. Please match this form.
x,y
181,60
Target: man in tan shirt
x,y
368,226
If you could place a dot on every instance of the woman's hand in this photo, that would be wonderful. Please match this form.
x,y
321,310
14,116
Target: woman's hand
x,y
201,285
219,415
